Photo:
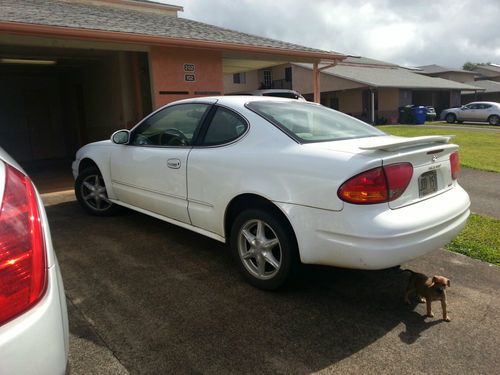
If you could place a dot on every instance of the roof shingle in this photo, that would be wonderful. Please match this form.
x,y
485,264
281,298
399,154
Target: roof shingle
x,y
94,16
387,76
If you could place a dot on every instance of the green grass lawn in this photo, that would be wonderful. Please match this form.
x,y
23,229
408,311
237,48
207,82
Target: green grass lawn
x,y
478,150
480,239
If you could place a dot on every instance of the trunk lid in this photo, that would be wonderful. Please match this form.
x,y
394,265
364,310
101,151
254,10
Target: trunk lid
x,y
429,156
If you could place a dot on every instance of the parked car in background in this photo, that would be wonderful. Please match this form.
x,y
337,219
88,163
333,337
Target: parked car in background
x,y
431,113
476,111
277,93
33,316
282,181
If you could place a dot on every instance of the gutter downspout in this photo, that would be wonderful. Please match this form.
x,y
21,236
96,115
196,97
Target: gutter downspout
x,y
372,91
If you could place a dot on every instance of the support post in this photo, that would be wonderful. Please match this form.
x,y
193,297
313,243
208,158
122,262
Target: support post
x,y
316,89
137,86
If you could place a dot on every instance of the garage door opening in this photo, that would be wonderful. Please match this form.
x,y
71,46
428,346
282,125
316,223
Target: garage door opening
x,y
53,101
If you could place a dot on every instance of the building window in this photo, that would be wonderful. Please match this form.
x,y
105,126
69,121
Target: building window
x,y
288,74
239,78
268,79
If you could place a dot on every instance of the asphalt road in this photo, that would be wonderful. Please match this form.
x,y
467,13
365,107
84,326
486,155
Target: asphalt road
x,y
484,191
146,297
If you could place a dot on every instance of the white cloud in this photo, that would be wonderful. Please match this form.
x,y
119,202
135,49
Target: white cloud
x,y
446,32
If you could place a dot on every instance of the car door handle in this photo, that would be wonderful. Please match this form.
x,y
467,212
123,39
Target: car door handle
x,y
174,163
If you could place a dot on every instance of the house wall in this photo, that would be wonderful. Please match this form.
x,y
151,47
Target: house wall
x,y
457,77
167,74
351,102
388,104
252,82
486,97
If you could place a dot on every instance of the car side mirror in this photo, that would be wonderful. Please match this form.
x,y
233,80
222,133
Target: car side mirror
x,y
463,108
120,137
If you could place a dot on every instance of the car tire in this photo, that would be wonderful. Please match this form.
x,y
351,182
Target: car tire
x,y
494,120
265,249
450,118
90,192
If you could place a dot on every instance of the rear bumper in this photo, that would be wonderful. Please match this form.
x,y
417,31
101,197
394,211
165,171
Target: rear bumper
x,y
36,342
376,237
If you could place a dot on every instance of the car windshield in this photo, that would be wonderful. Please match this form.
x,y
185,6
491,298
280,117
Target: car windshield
x,y
308,122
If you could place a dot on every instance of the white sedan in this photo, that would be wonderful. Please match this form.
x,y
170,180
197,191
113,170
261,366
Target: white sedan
x,y
282,181
33,316
476,111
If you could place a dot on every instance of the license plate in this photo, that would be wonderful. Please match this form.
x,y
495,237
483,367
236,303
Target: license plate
x,y
427,183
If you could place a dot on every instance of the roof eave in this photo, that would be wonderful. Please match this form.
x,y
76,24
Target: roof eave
x,y
154,40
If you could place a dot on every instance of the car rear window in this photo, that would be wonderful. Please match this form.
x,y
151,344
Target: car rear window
x,y
309,122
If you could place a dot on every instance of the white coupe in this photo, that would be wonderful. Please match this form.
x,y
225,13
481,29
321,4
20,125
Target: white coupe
x,y
282,181
34,334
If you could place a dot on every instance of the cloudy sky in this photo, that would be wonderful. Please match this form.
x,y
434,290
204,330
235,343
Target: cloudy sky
x,y
412,33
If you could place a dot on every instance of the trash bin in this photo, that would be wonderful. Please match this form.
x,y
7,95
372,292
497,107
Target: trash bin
x,y
406,115
419,113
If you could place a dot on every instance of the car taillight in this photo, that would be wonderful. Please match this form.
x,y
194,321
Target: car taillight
x,y
378,185
23,273
455,165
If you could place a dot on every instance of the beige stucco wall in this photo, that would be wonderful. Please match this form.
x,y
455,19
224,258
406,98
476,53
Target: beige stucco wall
x,y
351,101
388,104
388,99
252,83
457,77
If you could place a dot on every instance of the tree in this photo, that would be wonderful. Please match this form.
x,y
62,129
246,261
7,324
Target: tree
x,y
469,66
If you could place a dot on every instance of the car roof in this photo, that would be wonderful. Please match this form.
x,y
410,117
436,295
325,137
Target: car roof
x,y
237,99
494,103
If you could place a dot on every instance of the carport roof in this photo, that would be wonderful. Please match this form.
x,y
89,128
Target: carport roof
x,y
102,17
392,76
488,86
437,69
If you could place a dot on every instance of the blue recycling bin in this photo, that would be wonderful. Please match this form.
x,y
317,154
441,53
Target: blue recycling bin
x,y
419,113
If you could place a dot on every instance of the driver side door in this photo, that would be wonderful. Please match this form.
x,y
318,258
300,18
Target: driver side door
x,y
149,172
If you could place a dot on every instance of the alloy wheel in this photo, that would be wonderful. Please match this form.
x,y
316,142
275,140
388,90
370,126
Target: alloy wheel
x,y
93,192
259,249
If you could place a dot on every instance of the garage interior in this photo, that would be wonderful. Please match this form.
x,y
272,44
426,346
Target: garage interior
x,y
55,100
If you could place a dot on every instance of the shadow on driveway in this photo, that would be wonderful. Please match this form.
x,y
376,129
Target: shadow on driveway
x,y
166,300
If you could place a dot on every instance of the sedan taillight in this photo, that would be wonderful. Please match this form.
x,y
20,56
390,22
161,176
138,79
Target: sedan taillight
x,y
455,165
378,185
23,273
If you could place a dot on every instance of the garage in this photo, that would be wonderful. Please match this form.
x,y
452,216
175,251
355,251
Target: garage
x,y
54,100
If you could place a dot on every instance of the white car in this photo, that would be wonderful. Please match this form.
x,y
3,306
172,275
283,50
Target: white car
x,y
33,315
476,111
283,181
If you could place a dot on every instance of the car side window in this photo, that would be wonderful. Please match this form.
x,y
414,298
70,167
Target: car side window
x,y
172,126
226,126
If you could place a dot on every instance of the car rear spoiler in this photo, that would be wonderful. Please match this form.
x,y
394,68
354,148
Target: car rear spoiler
x,y
400,143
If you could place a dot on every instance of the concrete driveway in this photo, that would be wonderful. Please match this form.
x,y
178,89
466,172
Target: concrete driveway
x,y
146,297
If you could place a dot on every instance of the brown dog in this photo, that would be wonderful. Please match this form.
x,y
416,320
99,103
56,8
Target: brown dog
x,y
428,289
